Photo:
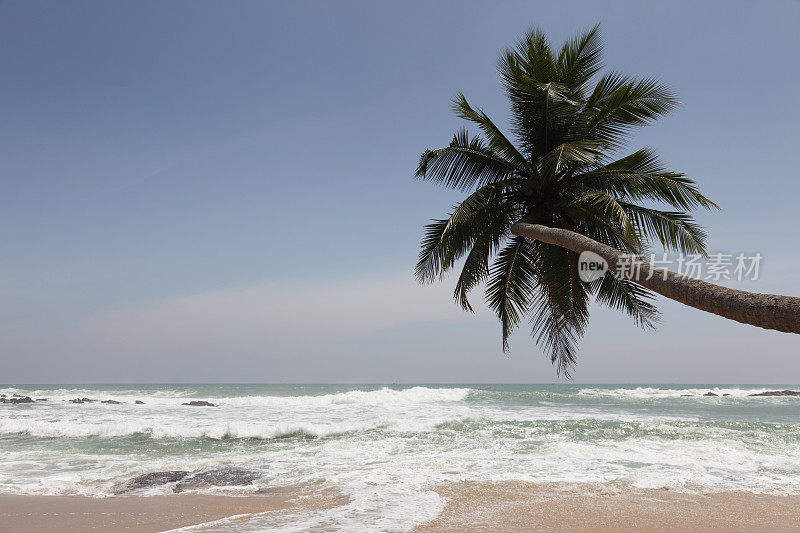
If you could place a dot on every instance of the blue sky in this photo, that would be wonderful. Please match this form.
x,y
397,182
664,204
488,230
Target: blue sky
x,y
222,191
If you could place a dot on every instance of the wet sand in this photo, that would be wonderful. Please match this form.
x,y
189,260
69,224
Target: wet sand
x,y
140,514
517,507
480,507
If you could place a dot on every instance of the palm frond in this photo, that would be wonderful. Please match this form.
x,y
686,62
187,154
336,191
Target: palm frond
x,y
498,142
607,232
579,60
541,104
620,103
446,240
561,306
568,156
622,294
601,205
641,175
464,164
511,284
675,230
476,265
535,56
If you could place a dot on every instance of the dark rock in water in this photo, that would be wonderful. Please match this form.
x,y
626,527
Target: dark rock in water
x,y
82,400
727,394
18,399
114,402
778,393
41,399
687,394
709,393
200,403
139,402
218,478
153,479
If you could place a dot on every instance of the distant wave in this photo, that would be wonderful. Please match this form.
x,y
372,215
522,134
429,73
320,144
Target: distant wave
x,y
383,396
165,398
63,393
256,417
653,392
374,398
172,429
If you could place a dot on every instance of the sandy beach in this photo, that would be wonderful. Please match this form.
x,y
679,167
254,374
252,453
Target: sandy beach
x,y
140,514
520,507
511,507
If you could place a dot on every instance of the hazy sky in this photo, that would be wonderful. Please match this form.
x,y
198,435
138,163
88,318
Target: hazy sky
x,y
222,191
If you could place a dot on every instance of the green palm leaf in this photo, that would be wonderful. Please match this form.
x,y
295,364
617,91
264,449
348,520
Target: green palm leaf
x,y
446,240
640,176
497,141
476,264
464,164
675,230
605,206
561,307
580,59
511,284
622,294
620,103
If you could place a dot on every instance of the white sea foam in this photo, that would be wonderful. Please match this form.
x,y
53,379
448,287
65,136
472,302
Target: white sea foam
x,y
375,398
382,396
654,393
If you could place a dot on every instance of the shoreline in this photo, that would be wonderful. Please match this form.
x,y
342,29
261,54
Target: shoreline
x,y
151,514
469,506
520,506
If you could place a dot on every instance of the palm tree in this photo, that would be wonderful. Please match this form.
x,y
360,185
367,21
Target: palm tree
x,y
562,189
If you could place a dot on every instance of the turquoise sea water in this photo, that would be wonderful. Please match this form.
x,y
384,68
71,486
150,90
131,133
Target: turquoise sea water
x,y
387,446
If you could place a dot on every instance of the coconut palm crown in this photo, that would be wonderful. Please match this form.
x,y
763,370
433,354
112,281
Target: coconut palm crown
x,y
563,169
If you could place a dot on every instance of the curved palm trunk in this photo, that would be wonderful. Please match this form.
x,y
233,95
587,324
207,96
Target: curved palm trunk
x,y
768,311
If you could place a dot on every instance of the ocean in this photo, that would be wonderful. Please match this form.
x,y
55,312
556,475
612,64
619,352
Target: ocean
x,y
386,447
